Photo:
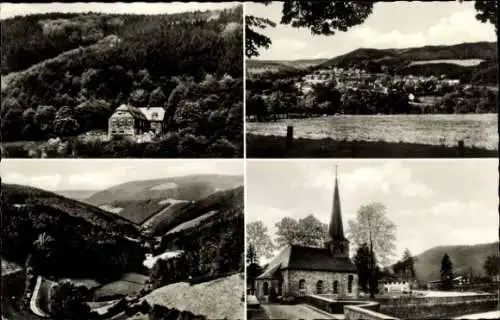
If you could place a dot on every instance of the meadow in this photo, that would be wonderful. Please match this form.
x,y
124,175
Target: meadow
x,y
475,130
460,62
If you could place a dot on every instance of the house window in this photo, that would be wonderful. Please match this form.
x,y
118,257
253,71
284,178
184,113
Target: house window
x,y
265,289
319,287
154,115
350,279
335,286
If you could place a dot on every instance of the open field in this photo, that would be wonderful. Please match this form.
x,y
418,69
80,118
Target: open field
x,y
460,62
116,288
259,146
476,130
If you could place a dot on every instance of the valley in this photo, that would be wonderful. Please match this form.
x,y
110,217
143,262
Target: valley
x,y
61,237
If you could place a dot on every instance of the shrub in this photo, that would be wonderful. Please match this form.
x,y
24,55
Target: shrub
x,y
222,148
67,301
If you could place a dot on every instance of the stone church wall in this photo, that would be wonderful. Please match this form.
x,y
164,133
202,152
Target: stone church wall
x,y
312,277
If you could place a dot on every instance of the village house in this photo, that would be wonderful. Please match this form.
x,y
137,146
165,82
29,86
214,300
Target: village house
x,y
130,121
301,270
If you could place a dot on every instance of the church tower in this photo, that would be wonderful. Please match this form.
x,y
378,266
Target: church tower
x,y
337,242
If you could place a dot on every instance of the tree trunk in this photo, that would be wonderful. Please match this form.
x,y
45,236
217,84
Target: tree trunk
x,y
372,279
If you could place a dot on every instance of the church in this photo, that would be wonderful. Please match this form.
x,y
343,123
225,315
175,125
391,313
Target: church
x,y
300,270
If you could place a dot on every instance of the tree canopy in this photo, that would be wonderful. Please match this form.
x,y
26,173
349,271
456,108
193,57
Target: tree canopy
x,y
308,231
372,226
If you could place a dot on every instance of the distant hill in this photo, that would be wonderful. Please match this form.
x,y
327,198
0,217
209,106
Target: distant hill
x,y
412,60
179,218
13,194
138,201
463,257
79,195
283,65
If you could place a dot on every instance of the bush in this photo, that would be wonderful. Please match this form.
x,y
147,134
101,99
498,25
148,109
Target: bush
x,y
222,148
67,301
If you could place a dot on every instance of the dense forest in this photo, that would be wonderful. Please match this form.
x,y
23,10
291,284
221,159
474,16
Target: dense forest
x,y
78,68
56,244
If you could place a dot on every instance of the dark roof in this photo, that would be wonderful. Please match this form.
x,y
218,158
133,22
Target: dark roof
x,y
296,257
135,112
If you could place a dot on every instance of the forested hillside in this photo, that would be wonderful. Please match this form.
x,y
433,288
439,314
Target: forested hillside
x,y
72,239
64,74
466,259
402,61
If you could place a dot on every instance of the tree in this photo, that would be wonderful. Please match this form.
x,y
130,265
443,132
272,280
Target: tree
x,y
362,262
320,17
491,265
487,12
307,231
259,241
404,268
68,301
253,269
446,273
174,99
44,118
373,227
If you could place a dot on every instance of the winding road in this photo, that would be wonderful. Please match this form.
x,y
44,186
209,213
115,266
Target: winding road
x,y
35,299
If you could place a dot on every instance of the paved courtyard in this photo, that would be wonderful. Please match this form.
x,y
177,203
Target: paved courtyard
x,y
296,312
484,315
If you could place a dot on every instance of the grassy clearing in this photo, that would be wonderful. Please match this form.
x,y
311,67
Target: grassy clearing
x,y
460,62
274,147
479,130
117,288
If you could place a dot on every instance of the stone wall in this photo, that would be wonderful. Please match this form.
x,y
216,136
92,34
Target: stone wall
x,y
438,307
362,313
311,279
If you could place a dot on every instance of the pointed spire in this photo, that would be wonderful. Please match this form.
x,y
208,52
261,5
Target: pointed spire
x,y
336,228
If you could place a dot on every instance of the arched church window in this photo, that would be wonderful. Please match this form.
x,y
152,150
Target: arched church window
x,y
335,286
350,279
265,288
319,287
302,284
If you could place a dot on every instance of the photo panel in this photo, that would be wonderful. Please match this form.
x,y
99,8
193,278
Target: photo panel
x,y
122,239
396,79
372,239
122,80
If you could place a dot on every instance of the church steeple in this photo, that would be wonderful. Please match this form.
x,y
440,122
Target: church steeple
x,y
337,243
336,228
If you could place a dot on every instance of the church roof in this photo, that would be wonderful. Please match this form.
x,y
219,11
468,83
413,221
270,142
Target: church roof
x,y
295,257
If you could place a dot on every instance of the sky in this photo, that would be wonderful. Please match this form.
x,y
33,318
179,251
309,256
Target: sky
x,y
399,24
432,202
9,10
82,174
